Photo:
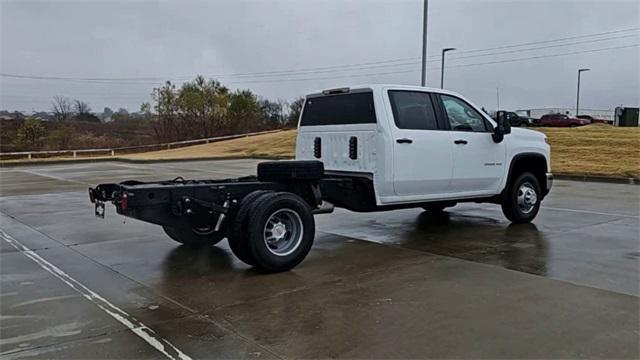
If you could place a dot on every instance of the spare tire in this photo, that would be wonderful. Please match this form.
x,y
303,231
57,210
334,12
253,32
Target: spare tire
x,y
290,170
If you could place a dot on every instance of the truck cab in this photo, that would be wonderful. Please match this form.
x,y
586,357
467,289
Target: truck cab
x,y
419,146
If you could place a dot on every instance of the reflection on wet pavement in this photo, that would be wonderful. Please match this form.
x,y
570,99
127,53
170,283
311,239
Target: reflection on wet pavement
x,y
400,284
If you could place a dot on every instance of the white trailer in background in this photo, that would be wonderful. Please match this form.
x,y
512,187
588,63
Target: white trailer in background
x,y
608,115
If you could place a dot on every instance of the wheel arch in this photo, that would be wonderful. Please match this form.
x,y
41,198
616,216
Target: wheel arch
x,y
536,163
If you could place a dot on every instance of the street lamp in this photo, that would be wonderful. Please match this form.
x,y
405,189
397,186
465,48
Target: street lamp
x,y
442,69
425,13
578,92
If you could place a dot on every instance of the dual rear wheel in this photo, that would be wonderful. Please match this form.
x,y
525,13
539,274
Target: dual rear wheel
x,y
273,231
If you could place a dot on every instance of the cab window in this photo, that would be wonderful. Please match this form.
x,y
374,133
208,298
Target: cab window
x,y
413,110
461,116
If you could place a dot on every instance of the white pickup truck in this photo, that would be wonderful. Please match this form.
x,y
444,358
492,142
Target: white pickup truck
x,y
362,148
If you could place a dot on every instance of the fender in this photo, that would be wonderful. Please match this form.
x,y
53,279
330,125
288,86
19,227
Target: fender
x,y
515,159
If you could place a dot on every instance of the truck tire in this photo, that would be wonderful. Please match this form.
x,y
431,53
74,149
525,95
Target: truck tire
x,y
281,230
290,170
193,237
238,230
521,202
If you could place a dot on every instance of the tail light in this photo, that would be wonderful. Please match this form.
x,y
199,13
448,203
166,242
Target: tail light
x,y
124,202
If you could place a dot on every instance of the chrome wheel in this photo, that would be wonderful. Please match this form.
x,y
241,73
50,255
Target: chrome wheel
x,y
283,232
527,198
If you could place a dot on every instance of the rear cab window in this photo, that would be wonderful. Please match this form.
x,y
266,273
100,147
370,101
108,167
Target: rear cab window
x,y
339,109
413,110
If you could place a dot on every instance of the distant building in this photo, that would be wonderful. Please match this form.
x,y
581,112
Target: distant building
x,y
538,113
11,115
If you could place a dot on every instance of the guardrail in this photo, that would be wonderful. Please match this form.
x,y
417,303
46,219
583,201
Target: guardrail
x,y
123,150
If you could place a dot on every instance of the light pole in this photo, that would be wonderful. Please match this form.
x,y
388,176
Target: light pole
x,y
578,92
424,43
442,69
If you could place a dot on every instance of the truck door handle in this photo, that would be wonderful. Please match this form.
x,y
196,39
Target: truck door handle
x,y
460,141
404,141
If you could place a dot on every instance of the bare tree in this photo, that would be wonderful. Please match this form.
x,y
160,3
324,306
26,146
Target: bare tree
x,y
62,108
82,108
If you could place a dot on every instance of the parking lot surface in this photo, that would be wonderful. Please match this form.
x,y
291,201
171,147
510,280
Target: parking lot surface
x,y
401,284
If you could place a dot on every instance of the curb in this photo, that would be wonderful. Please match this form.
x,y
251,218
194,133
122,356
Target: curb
x,y
602,179
151,161
135,161
55,162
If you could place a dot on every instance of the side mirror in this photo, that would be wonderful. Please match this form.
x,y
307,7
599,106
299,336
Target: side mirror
x,y
502,128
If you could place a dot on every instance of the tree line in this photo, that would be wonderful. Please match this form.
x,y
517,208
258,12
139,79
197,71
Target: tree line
x,y
199,108
205,108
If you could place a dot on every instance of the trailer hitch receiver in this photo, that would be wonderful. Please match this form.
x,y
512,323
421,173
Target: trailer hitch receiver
x,y
99,209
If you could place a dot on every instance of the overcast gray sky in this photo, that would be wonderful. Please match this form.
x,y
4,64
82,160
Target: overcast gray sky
x,y
129,40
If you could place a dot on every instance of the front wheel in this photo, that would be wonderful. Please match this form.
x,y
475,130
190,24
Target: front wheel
x,y
521,202
194,237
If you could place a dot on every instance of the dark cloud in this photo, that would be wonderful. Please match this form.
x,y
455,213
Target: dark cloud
x,y
179,39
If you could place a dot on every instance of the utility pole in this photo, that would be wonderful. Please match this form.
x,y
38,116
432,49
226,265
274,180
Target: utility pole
x,y
442,68
580,71
424,42
498,98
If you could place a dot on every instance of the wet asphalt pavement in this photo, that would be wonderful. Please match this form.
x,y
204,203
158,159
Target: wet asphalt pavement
x,y
400,284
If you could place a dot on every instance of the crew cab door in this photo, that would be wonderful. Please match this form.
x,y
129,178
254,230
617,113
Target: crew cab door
x,y
422,158
478,162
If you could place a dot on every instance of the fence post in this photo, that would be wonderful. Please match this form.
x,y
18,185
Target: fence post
x,y
113,153
29,156
75,154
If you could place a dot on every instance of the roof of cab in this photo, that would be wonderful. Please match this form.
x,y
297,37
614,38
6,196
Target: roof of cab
x,y
380,87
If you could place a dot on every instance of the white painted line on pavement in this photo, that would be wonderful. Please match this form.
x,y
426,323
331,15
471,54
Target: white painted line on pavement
x,y
137,327
590,212
37,173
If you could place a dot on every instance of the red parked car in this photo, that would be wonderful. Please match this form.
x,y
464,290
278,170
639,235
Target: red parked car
x,y
594,120
562,120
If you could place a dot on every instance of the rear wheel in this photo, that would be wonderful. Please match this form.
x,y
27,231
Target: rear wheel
x,y
281,230
238,235
194,237
522,199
